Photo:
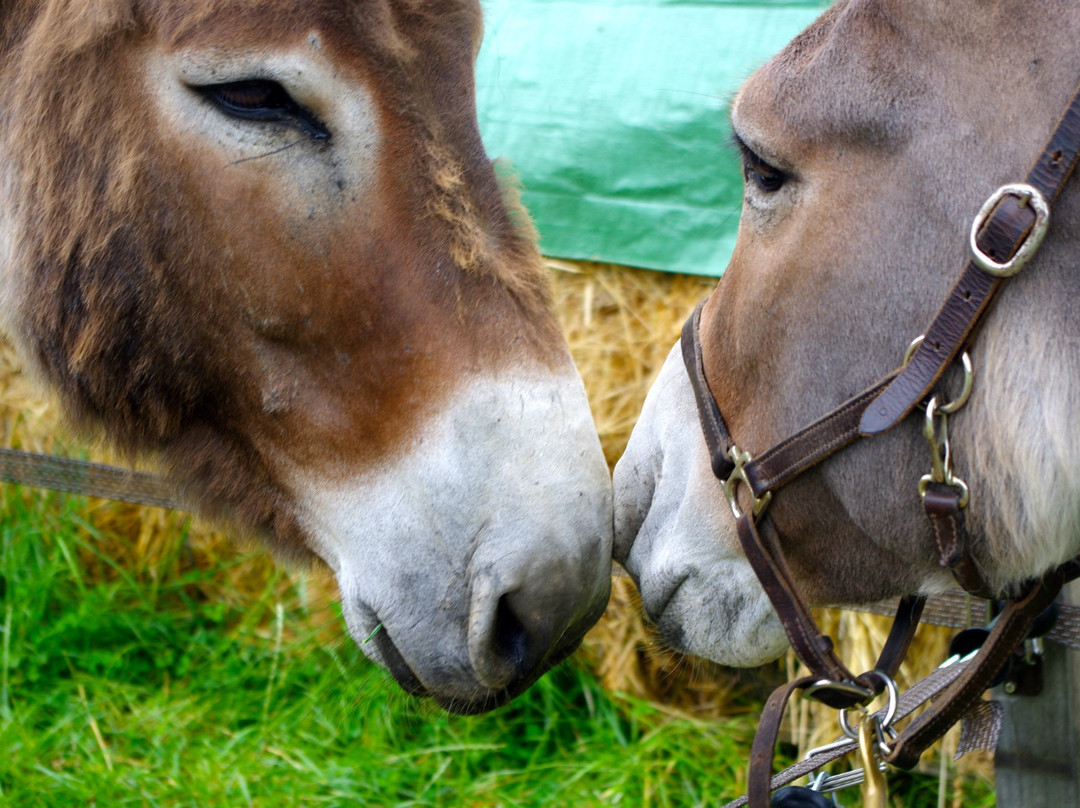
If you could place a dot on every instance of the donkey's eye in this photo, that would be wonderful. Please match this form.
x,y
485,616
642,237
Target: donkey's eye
x,y
263,100
251,97
766,177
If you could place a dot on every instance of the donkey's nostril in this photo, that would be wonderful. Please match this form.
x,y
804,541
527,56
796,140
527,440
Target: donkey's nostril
x,y
511,637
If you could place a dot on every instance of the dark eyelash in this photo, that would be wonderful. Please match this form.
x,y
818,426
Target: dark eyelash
x,y
735,143
766,177
263,100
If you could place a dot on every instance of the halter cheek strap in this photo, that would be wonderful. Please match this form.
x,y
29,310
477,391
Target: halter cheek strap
x,y
1010,223
1004,236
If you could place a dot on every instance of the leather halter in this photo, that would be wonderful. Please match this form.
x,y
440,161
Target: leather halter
x,y
1004,236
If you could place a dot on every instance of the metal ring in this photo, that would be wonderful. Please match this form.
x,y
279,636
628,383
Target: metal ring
x,y
818,782
881,735
893,693
730,486
953,480
845,725
949,407
914,346
1029,194
929,423
820,750
882,719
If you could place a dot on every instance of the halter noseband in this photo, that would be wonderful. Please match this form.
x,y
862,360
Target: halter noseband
x,y
1004,235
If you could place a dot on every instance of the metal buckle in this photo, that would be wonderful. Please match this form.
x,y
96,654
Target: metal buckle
x,y
738,475
1028,195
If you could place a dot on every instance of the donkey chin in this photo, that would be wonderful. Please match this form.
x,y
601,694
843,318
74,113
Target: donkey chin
x,y
465,570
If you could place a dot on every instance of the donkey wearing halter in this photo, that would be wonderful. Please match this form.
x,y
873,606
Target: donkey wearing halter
x,y
868,146
262,242
872,147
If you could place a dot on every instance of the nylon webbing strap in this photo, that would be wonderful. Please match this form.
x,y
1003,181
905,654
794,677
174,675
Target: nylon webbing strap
x,y
960,610
89,479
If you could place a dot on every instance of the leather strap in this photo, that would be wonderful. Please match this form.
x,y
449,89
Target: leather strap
x,y
759,778
905,622
805,449
970,297
788,459
814,649
717,439
942,506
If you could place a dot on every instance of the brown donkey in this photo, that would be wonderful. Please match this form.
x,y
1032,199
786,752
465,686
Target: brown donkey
x,y
262,241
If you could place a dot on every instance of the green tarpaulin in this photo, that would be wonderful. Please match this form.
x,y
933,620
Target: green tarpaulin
x,y
613,114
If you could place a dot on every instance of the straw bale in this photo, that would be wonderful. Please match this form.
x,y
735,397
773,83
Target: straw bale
x,y
620,324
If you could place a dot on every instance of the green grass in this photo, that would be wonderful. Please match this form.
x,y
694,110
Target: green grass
x,y
126,687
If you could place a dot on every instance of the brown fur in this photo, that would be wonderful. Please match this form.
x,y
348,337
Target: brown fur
x,y
129,250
